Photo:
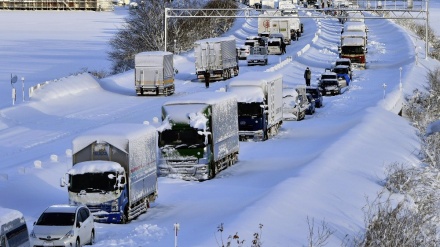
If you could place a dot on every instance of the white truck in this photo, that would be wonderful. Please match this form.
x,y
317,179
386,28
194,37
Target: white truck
x,y
114,171
260,104
13,229
284,26
154,73
268,4
264,21
199,135
216,56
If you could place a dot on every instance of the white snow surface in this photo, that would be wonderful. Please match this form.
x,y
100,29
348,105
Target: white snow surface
x,y
323,167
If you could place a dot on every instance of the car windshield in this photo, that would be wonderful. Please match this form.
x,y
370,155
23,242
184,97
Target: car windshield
x,y
325,77
340,70
343,63
56,219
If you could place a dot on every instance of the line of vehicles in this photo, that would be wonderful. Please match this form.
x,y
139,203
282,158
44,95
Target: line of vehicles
x,y
115,168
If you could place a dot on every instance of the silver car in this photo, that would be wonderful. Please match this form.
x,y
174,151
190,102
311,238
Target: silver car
x,y
64,225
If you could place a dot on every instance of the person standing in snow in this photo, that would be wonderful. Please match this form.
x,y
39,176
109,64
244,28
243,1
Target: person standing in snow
x,y
207,75
283,47
307,76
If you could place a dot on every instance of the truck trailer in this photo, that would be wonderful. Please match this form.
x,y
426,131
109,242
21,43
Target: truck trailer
x,y
154,73
114,171
260,104
199,136
216,56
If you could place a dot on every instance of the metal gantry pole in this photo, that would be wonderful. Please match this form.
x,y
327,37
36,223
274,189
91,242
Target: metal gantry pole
x,y
166,27
426,31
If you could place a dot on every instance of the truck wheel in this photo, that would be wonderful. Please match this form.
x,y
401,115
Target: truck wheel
x,y
124,218
211,172
265,136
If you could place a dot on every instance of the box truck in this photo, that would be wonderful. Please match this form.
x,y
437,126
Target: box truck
x,y
260,104
154,73
114,171
199,136
216,56
13,229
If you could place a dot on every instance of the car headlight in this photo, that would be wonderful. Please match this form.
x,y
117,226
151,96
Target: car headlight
x,y
69,234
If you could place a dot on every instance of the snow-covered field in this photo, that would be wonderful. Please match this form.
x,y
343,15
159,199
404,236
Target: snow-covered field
x,y
323,167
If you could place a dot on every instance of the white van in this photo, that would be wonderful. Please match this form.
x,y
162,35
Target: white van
x,y
274,46
13,229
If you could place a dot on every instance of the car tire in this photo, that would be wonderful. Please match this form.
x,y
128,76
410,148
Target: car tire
x,y
92,237
77,243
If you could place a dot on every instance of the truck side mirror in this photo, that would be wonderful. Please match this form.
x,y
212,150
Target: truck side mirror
x,y
63,181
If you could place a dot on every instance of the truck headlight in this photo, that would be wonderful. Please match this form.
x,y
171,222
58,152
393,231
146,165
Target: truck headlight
x,y
114,206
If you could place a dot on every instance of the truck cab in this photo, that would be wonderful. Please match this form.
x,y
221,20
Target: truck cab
x,y
114,171
13,229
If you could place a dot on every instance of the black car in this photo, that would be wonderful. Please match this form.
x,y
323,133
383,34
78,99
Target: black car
x,y
316,94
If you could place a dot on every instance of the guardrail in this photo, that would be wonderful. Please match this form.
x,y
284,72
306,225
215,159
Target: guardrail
x,y
39,85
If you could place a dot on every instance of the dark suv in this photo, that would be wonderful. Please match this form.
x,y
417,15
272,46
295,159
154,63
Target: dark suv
x,y
316,94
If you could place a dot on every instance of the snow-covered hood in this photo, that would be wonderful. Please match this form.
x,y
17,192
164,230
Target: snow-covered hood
x,y
51,231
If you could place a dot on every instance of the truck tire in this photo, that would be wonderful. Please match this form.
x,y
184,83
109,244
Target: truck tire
x,y
124,218
211,173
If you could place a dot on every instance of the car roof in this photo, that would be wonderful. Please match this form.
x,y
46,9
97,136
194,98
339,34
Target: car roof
x,y
329,73
343,60
62,208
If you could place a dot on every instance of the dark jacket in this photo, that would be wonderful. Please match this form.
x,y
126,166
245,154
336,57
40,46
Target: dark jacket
x,y
307,74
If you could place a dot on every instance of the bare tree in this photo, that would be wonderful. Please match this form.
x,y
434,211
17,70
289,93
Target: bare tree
x,y
144,30
318,237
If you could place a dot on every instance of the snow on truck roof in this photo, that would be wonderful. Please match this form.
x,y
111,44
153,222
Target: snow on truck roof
x,y
8,215
95,166
189,108
250,87
208,98
155,53
118,135
217,39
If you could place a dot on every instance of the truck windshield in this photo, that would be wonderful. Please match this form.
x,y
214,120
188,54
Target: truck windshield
x,y
250,109
352,50
93,182
56,219
186,138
